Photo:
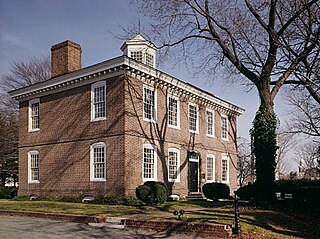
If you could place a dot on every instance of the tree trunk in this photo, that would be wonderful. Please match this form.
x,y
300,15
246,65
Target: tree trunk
x,y
264,142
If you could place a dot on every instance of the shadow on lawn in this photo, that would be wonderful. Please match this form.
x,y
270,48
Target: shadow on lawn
x,y
288,224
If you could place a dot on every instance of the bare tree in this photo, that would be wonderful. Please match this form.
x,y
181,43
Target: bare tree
x,y
245,163
304,114
261,43
21,74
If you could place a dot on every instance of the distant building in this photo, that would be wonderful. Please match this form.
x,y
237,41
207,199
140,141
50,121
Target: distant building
x,y
107,128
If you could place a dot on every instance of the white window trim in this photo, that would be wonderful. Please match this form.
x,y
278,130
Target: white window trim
x,y
197,120
213,124
224,116
214,168
155,176
225,157
92,146
178,165
93,86
154,120
30,129
29,166
178,112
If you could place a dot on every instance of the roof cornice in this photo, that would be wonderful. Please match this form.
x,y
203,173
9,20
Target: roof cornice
x,y
120,66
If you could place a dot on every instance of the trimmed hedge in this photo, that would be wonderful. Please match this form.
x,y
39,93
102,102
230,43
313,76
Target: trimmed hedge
x,y
8,192
152,192
246,192
216,191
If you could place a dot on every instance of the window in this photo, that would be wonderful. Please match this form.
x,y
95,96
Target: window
x,y
224,169
173,165
210,168
149,59
34,115
98,101
210,123
33,167
149,170
137,55
98,162
193,118
149,103
173,112
224,127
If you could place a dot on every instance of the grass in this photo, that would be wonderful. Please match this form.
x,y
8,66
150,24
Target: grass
x,y
255,223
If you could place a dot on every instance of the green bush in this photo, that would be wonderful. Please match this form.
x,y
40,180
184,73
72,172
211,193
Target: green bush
x,y
299,188
216,191
152,192
8,192
246,192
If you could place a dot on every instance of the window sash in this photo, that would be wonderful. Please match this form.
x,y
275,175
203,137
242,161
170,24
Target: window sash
x,y
173,165
99,101
224,127
148,163
173,112
210,169
149,59
149,103
193,118
34,167
35,115
210,123
137,55
99,162
224,170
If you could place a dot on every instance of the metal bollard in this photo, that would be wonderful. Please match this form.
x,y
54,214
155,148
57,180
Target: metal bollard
x,y
236,229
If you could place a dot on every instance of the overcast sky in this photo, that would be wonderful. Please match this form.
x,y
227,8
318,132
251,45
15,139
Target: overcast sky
x,y
30,27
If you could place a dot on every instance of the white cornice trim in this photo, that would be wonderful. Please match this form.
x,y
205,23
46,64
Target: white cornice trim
x,y
119,66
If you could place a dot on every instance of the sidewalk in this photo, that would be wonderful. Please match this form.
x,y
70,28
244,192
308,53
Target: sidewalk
x,y
185,227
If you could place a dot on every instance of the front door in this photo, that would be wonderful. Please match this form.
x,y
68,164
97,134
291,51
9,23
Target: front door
x,y
193,176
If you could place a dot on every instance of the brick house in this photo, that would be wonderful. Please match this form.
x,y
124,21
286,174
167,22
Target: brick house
x,y
109,127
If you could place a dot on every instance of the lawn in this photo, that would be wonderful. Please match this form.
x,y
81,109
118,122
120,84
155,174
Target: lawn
x,y
254,223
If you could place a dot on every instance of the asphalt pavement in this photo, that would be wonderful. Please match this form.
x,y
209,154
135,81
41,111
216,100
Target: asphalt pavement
x,y
34,228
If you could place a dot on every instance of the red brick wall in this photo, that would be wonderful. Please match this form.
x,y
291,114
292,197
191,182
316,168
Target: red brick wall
x,y
64,140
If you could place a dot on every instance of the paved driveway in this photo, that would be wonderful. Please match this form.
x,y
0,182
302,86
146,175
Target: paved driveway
x,y
29,228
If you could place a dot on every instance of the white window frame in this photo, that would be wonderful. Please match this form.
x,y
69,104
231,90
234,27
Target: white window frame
x,y
178,112
92,147
177,151
30,153
225,157
149,63
93,86
197,119
154,119
155,163
213,122
31,102
213,168
227,133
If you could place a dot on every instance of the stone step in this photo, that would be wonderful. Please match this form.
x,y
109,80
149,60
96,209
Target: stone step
x,y
196,197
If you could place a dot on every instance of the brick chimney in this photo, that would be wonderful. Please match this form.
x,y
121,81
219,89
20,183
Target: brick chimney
x,y
65,58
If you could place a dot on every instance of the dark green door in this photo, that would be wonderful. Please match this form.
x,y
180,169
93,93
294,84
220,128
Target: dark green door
x,y
193,176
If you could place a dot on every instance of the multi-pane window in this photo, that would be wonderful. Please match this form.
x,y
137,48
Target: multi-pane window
x,y
210,168
137,55
210,123
149,59
98,162
33,166
173,165
149,163
98,95
149,103
173,112
34,115
224,169
193,118
224,127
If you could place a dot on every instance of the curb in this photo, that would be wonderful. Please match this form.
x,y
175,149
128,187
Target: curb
x,y
181,227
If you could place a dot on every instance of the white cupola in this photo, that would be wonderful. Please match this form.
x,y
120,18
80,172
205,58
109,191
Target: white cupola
x,y
141,50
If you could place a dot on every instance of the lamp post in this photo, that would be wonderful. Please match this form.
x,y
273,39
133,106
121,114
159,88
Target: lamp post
x,y
236,229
